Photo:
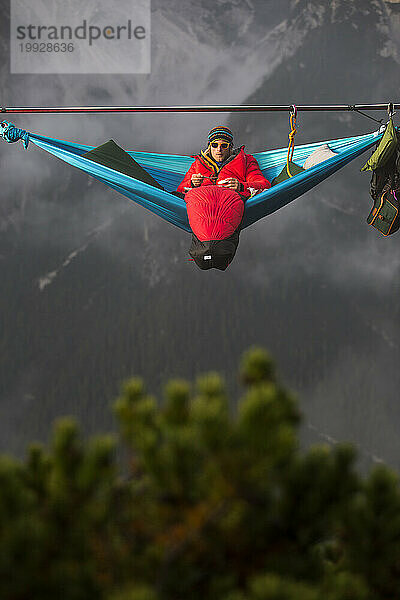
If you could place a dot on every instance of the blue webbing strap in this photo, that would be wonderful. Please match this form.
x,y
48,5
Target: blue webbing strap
x,y
11,134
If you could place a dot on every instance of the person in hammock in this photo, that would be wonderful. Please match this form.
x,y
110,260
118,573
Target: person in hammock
x,y
222,164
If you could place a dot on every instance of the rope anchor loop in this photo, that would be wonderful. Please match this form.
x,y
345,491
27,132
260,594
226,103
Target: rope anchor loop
x,y
293,130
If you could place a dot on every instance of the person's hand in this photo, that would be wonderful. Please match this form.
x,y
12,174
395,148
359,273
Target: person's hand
x,y
197,179
232,183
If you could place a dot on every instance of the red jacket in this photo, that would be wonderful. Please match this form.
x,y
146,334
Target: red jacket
x,y
243,167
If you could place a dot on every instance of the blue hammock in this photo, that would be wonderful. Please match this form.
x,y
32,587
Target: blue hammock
x,y
169,169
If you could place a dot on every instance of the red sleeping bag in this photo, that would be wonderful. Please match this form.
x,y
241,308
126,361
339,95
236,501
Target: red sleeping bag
x,y
214,212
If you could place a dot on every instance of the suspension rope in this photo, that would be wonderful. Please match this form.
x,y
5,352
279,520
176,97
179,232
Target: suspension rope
x,y
360,112
293,131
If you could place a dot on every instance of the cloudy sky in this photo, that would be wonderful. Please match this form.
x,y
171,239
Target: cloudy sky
x,y
329,281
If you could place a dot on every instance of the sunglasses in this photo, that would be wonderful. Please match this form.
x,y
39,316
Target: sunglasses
x,y
223,145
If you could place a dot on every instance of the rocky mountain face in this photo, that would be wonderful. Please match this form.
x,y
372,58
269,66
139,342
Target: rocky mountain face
x,y
94,289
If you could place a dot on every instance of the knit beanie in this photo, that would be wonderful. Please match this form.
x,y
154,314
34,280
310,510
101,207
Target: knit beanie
x,y
220,133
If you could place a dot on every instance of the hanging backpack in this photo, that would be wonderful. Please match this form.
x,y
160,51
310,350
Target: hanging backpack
x,y
384,215
385,183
